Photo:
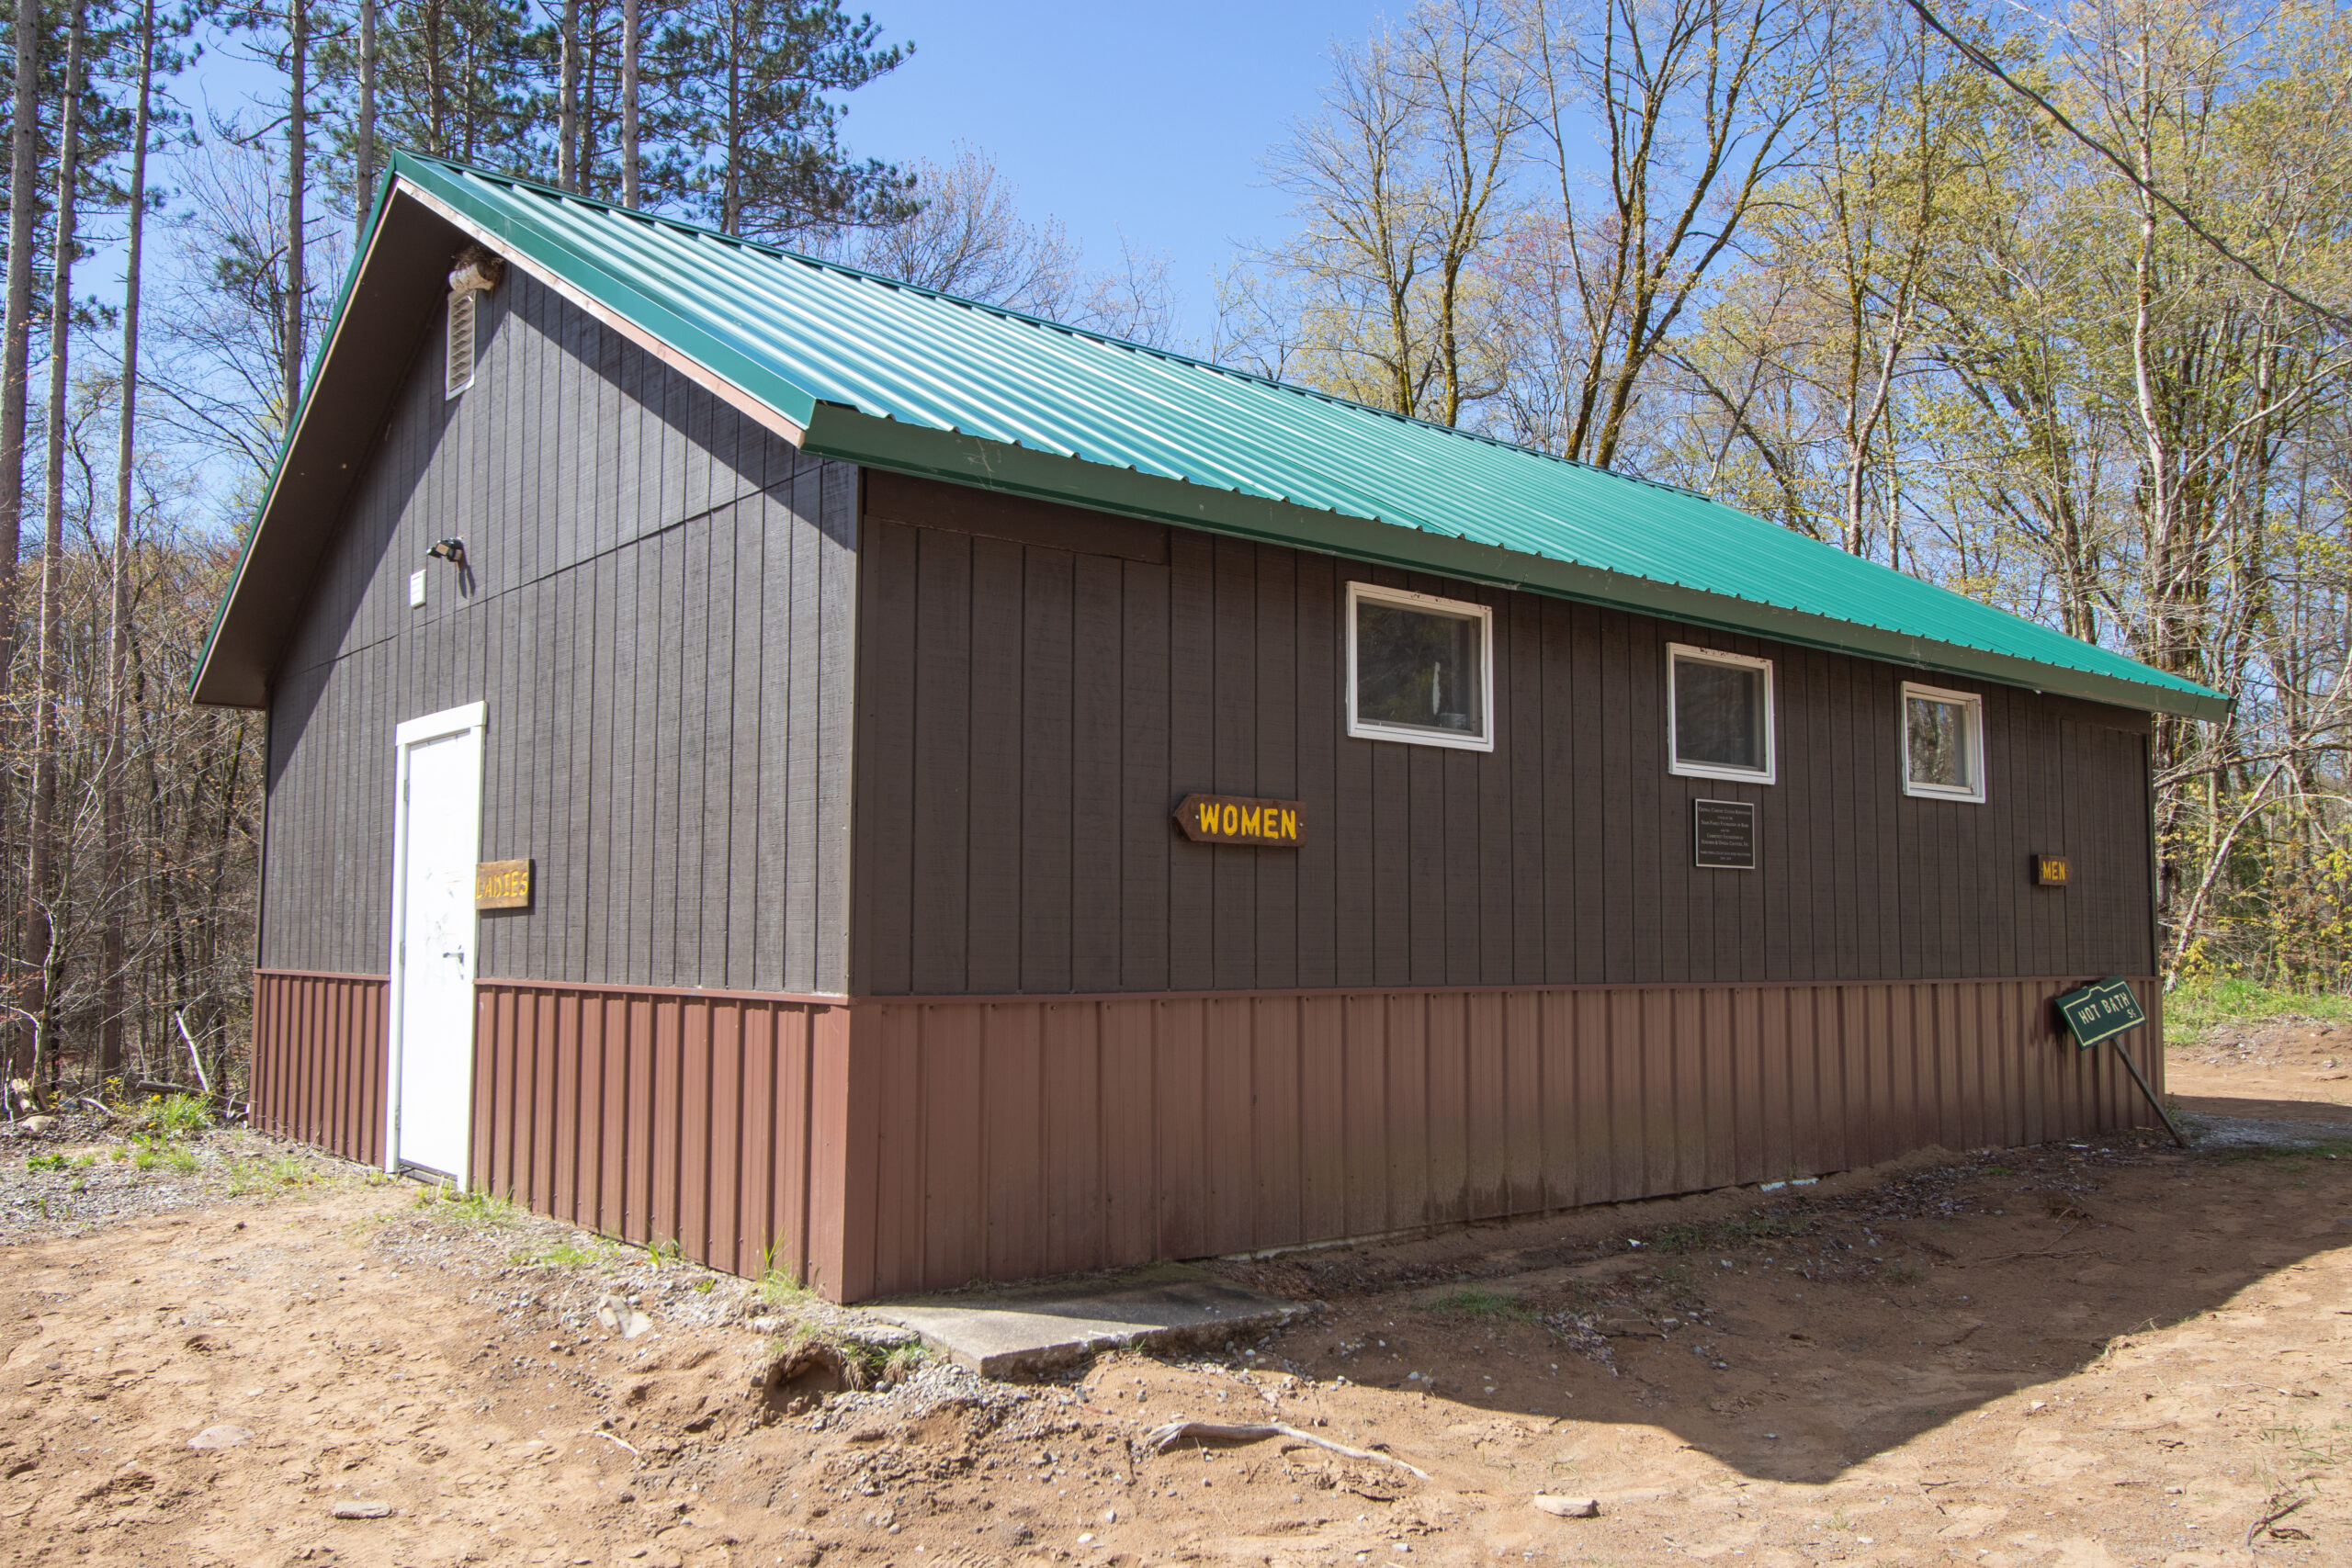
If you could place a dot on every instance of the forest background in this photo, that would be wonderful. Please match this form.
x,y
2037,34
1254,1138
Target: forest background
x,y
2048,308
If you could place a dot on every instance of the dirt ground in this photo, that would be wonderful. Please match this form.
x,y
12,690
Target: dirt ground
x,y
2110,1353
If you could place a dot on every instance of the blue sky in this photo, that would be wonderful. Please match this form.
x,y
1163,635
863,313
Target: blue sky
x,y
1150,122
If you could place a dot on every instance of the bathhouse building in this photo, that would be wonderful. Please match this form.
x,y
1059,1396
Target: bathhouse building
x,y
776,761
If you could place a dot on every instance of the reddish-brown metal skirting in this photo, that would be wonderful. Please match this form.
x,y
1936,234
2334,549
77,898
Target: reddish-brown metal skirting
x,y
885,1145
661,1116
1016,1137
318,1062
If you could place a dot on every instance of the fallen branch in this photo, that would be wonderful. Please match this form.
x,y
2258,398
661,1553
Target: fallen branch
x,y
1175,1432
100,1106
180,1017
615,1442
2271,1517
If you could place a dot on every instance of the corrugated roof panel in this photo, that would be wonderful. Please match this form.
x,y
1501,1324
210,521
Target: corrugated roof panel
x,y
804,335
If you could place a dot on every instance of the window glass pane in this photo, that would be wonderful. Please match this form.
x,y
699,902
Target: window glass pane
x,y
1418,668
1718,714
1937,739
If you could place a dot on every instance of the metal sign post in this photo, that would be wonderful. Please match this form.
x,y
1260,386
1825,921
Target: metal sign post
x,y
2107,1011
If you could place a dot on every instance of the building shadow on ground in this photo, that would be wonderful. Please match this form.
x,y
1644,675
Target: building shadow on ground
x,y
1793,1335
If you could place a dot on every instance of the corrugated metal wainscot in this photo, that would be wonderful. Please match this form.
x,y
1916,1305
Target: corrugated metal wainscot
x,y
709,1120
1019,1137
319,1063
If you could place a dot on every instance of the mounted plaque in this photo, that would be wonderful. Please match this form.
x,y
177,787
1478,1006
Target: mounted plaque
x,y
1232,820
503,884
2051,871
2099,1011
1723,835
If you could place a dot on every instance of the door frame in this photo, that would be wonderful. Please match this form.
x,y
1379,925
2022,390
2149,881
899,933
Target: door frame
x,y
474,717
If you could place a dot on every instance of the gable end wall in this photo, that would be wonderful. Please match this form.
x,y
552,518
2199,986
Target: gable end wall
x,y
659,617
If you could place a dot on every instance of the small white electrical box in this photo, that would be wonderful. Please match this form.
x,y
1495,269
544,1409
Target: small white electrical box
x,y
417,589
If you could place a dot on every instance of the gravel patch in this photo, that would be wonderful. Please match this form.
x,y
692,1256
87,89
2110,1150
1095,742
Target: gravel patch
x,y
76,1178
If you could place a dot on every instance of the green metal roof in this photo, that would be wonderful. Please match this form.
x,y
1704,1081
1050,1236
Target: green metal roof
x,y
899,377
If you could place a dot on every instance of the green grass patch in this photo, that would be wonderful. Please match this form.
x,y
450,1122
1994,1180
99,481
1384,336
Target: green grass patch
x,y
46,1162
476,1209
564,1254
1718,1235
270,1173
1481,1302
155,1151
171,1115
863,1365
2195,1007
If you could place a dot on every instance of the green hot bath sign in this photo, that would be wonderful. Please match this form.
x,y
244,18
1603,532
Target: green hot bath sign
x,y
2100,1011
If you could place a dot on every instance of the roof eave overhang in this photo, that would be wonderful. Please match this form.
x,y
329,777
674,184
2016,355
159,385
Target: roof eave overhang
x,y
835,431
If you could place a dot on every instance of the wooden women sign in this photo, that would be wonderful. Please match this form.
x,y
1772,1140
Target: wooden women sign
x,y
1234,819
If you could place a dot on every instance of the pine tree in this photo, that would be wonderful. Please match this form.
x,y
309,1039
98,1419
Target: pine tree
x,y
753,84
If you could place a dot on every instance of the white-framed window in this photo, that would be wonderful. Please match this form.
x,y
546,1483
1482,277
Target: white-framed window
x,y
1944,743
1718,715
461,366
1419,669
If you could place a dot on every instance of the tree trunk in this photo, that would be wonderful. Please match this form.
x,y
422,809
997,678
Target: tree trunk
x,y
365,191
567,155
41,899
629,101
119,608
731,210
15,363
298,140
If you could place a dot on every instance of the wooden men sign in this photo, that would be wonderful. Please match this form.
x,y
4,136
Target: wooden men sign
x,y
1233,819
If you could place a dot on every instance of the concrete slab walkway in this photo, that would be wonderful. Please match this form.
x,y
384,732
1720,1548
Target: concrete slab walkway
x,y
1033,1330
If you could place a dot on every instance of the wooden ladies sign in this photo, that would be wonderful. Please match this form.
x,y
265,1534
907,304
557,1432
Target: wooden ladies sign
x,y
1234,819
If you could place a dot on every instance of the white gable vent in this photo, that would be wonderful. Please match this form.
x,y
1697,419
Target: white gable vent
x,y
476,274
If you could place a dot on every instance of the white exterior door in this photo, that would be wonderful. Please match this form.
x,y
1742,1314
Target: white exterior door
x,y
435,844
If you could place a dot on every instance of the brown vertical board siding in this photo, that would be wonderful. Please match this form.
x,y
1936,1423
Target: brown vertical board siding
x,y
617,637
1097,799
1147,759
1232,674
1049,762
997,835
1316,687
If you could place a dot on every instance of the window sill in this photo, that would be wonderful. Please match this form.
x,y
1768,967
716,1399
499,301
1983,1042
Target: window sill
x,y
1443,740
1724,775
1958,796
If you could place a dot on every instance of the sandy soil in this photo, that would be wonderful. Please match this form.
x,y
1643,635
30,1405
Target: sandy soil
x,y
2074,1355
2289,1067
